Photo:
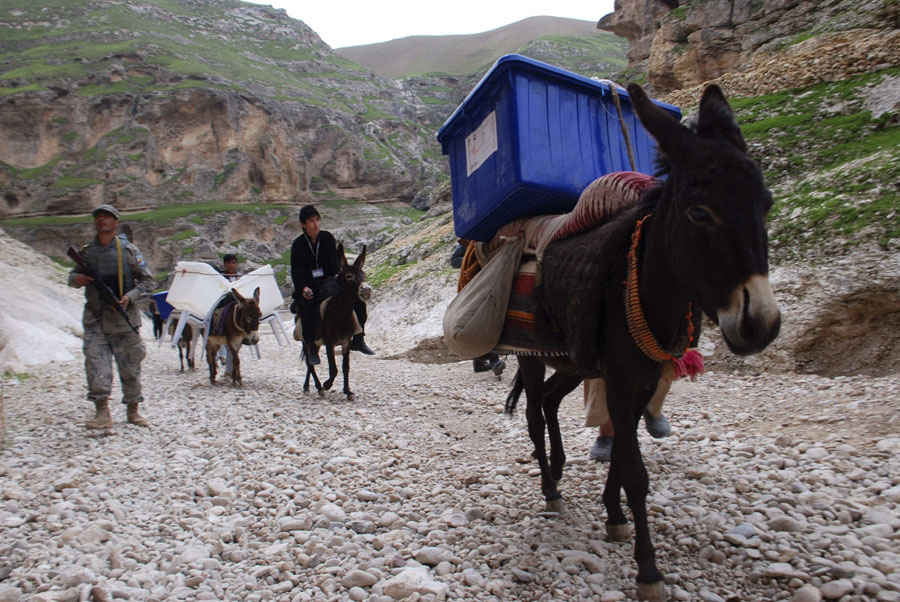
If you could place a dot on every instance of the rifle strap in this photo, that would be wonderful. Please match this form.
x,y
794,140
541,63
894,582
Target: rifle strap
x,y
121,273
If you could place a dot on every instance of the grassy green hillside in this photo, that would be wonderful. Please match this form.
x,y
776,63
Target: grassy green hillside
x,y
239,46
568,43
833,166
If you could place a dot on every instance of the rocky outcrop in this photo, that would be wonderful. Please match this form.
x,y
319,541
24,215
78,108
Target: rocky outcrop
x,y
683,46
140,151
829,57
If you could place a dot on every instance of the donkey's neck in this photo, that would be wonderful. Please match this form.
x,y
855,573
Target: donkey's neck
x,y
664,299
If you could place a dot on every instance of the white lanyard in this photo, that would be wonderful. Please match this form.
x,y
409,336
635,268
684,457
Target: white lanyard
x,y
314,252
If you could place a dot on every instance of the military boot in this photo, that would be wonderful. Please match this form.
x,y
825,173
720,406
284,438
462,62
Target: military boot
x,y
134,416
101,419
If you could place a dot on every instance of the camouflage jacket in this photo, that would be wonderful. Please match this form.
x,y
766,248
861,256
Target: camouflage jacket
x,y
137,283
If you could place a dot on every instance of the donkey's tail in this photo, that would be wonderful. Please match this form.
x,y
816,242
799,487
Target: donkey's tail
x,y
513,398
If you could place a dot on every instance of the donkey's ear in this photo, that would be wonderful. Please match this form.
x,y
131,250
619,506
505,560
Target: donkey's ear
x,y
716,119
256,295
342,259
669,134
238,296
361,259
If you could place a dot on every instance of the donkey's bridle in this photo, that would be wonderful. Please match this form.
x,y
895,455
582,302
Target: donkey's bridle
x,y
634,313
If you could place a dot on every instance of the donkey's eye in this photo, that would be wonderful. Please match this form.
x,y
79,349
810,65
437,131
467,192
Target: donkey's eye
x,y
700,215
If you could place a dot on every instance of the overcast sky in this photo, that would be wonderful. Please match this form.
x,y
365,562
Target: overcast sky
x,y
353,22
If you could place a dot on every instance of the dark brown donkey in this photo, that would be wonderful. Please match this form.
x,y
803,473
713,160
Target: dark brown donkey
x,y
239,321
185,348
621,297
339,323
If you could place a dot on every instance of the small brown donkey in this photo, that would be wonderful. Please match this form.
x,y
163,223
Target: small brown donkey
x,y
231,324
339,323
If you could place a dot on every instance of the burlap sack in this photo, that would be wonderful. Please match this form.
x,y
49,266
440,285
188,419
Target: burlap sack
x,y
474,319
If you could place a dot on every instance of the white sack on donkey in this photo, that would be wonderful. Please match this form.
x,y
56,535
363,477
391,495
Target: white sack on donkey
x,y
474,319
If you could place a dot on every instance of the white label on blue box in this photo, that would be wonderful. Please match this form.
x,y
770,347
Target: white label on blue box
x,y
481,144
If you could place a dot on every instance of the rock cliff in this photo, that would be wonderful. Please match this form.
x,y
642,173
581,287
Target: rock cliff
x,y
683,44
195,100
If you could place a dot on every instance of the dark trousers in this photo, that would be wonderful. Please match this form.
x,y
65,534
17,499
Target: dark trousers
x,y
157,326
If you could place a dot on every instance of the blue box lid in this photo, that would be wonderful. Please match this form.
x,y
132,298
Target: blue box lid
x,y
517,61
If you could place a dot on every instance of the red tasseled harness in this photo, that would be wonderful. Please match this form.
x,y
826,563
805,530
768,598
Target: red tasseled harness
x,y
687,361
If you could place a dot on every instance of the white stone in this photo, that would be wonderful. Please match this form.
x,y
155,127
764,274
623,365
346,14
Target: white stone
x,y
432,555
333,512
357,578
807,593
414,580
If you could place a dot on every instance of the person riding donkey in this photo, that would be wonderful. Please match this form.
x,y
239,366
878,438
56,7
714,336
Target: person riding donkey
x,y
230,273
314,267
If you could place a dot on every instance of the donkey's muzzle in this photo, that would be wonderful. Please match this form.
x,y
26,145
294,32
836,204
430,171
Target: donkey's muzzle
x,y
752,319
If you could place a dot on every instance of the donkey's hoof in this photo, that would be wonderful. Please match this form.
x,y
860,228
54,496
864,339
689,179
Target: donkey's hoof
x,y
556,505
306,389
321,392
351,396
652,592
618,533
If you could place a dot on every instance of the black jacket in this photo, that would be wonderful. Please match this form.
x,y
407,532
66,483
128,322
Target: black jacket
x,y
304,260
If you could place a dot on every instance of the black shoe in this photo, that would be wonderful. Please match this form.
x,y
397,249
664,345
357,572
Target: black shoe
x,y
358,343
312,355
658,427
497,366
481,365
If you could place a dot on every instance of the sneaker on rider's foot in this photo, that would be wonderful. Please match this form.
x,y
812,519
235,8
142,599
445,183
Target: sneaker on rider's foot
x,y
497,366
658,427
601,450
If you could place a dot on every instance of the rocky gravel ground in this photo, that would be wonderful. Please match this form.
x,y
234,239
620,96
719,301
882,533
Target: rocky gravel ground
x,y
771,487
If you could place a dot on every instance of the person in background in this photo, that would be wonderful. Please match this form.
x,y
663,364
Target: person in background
x,y
314,269
157,319
230,272
230,267
489,361
120,264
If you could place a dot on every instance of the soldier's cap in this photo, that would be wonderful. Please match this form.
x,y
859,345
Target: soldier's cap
x,y
106,209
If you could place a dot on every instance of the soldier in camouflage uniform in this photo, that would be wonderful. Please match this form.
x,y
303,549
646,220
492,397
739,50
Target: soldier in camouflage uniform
x,y
106,334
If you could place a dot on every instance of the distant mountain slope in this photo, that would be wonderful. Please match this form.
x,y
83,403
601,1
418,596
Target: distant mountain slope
x,y
573,41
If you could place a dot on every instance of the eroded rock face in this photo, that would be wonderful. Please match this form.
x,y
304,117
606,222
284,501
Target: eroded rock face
x,y
219,100
190,145
686,45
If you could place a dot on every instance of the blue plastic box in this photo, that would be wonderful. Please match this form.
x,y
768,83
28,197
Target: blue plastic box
x,y
529,138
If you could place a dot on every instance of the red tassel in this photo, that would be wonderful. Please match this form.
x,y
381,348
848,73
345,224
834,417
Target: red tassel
x,y
690,364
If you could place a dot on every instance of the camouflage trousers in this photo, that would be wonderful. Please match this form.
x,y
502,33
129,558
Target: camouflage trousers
x,y
99,349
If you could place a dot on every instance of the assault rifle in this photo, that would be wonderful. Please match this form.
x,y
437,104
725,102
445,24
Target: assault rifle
x,y
105,292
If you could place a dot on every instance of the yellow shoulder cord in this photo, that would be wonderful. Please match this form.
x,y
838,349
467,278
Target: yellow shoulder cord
x,y
121,276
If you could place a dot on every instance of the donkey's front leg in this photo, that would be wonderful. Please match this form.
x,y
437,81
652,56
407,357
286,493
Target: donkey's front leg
x,y
332,367
235,364
211,351
628,471
345,368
